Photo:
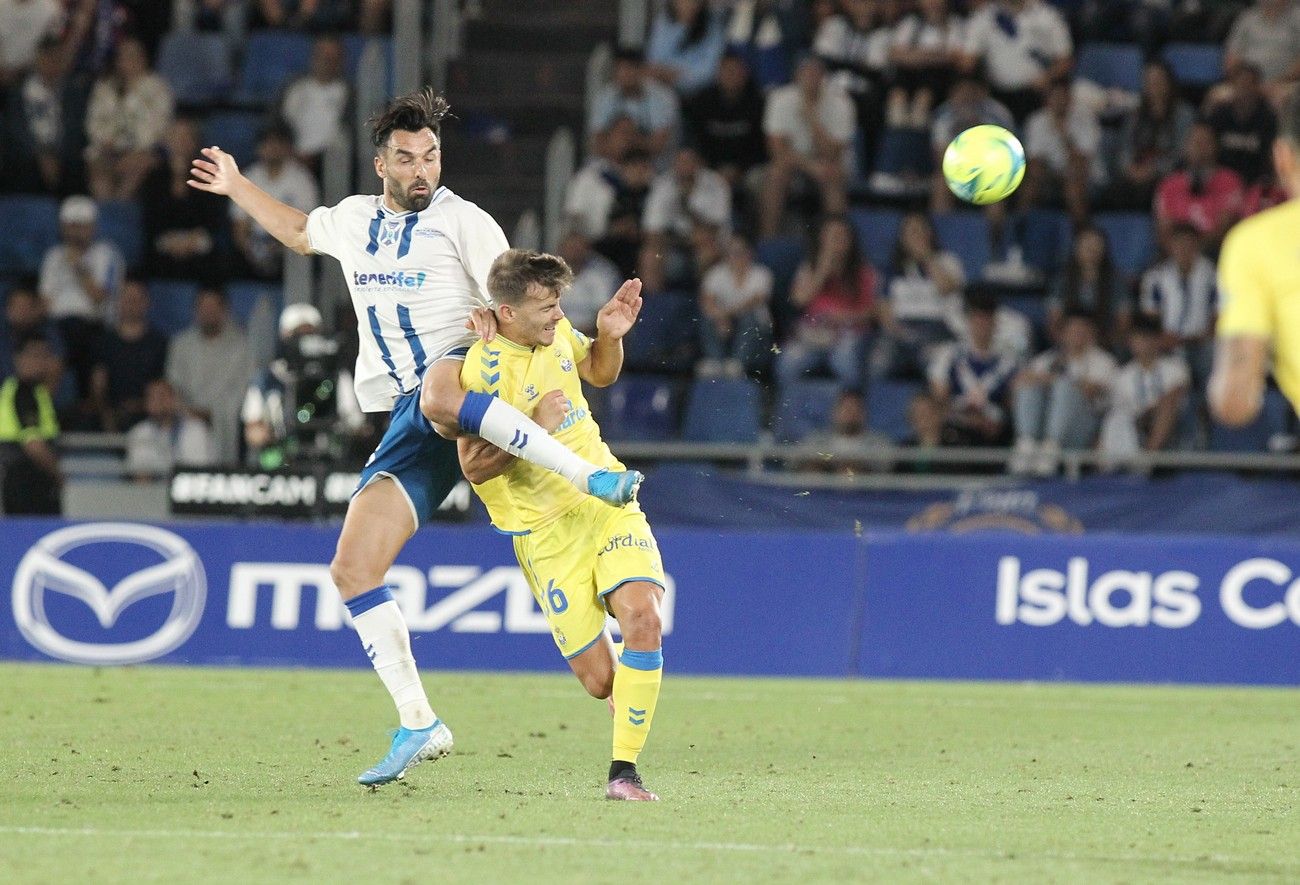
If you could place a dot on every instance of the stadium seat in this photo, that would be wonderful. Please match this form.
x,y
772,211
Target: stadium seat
x,y
723,410
1132,239
887,404
966,235
641,407
271,59
197,65
1045,239
245,294
804,408
782,256
171,305
236,132
1111,65
119,223
1195,65
877,233
664,337
905,153
28,226
354,46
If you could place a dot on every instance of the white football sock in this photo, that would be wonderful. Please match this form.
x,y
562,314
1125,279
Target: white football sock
x,y
505,426
387,641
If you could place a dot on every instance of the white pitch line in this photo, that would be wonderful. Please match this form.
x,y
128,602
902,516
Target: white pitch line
x,y
568,842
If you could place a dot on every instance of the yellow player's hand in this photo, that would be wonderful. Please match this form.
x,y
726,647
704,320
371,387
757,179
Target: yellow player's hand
x,y
551,410
619,314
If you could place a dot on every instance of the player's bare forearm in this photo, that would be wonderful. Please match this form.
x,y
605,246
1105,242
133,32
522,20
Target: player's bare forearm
x,y
1236,389
280,220
604,363
480,460
1166,416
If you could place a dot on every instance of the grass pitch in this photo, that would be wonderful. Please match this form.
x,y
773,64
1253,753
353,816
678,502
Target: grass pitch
x,y
187,775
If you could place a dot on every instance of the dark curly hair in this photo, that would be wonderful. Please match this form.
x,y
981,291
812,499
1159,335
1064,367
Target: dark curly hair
x,y
423,109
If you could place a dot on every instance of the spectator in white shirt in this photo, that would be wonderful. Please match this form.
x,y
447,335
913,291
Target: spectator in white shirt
x,y
80,280
1182,292
652,106
167,438
1062,146
682,198
593,191
1023,45
313,105
735,321
23,24
809,126
1267,36
289,181
595,278
1060,397
924,291
973,379
129,111
1146,399
926,48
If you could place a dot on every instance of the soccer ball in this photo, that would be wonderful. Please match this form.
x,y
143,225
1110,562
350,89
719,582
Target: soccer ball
x,y
984,164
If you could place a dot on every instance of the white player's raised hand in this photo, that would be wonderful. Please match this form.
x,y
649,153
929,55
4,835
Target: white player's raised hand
x,y
217,174
482,322
619,314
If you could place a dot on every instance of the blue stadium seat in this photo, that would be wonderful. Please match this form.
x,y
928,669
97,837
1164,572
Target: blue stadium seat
x,y
120,223
1195,64
877,233
271,59
966,235
354,45
904,151
887,403
723,410
28,226
1132,239
197,65
235,132
641,407
245,294
782,256
1254,436
1111,65
1045,238
664,337
804,408
171,304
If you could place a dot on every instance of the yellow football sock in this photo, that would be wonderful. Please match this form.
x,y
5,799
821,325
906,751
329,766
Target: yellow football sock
x,y
636,690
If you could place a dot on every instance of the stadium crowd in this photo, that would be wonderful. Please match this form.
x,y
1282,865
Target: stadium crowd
x,y
769,168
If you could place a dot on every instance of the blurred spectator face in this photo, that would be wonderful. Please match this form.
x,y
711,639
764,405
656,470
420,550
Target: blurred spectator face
x,y
133,302
79,234
1157,84
34,360
836,240
575,249
1201,149
980,323
160,401
1246,84
131,61
627,75
1184,246
862,12
23,309
1058,99
638,171
850,415
822,10
915,235
739,254
934,9
706,240
733,74
618,139
686,164
182,139
210,312
1078,335
1144,345
966,92
327,60
810,75
49,64
1090,248
275,148
686,10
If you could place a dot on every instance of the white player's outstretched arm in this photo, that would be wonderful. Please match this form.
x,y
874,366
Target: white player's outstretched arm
x,y
219,174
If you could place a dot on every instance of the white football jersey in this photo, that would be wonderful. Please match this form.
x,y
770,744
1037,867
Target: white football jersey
x,y
414,278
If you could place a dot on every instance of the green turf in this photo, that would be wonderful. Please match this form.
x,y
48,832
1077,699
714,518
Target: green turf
x,y
180,775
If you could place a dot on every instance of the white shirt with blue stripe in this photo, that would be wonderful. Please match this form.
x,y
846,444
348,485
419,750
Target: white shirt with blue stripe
x,y
414,278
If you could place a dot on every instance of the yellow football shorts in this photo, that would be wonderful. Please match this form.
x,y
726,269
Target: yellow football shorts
x,y
573,563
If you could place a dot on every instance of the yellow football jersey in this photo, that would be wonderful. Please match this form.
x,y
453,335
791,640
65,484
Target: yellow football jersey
x,y
1259,288
526,496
